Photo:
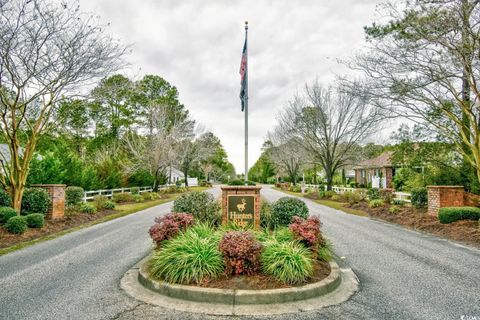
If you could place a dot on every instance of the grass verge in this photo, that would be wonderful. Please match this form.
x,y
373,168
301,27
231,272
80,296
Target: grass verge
x,y
329,203
124,210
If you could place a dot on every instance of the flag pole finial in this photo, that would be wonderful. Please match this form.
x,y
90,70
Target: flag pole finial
x,y
246,25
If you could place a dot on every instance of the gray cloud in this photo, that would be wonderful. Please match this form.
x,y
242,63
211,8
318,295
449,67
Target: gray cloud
x,y
196,46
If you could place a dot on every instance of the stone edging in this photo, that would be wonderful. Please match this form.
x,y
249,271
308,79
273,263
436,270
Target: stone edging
x,y
347,287
241,297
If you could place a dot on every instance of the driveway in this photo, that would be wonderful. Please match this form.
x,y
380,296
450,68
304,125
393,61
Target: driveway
x,y
403,274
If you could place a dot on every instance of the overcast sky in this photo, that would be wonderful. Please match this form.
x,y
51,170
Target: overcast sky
x,y
196,46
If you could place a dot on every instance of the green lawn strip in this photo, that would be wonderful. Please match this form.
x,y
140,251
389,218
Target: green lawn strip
x,y
329,203
125,209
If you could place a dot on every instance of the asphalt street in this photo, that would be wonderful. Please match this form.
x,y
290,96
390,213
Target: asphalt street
x,y
403,274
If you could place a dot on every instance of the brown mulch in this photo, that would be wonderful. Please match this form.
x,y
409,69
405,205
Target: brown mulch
x,y
261,281
71,221
466,231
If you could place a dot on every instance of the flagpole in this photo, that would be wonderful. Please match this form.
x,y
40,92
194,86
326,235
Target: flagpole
x,y
246,107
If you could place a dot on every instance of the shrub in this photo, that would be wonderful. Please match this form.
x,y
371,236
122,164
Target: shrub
x,y
5,200
352,197
265,214
122,197
35,220
203,183
35,200
6,213
451,214
325,252
137,198
373,193
73,195
398,202
375,203
148,196
238,182
17,225
326,194
169,226
288,262
394,209
188,258
201,205
170,189
295,188
99,201
307,231
135,190
87,208
386,195
241,252
419,197
284,209
282,234
336,197
110,205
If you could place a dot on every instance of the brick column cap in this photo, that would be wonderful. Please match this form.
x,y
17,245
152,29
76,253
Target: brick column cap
x,y
257,188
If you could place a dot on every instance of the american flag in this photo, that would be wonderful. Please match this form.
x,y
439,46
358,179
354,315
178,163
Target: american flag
x,y
243,75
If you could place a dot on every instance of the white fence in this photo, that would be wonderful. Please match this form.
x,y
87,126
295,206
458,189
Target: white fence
x,y
88,195
403,196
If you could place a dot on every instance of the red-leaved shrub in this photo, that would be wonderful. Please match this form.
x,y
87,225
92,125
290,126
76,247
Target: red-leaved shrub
x,y
169,226
241,252
307,230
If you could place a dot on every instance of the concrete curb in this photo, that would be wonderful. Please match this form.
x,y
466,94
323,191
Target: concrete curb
x,y
334,289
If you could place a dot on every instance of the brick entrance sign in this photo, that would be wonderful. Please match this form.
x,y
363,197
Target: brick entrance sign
x,y
57,197
444,196
241,205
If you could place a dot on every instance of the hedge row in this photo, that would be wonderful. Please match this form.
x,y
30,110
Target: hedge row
x,y
451,214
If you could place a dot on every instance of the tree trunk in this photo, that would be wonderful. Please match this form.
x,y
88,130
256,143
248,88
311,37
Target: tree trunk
x,y
185,175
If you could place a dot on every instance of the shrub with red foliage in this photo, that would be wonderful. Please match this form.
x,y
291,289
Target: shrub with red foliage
x,y
241,252
307,230
169,226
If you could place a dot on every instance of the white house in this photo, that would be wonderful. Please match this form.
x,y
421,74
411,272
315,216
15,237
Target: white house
x,y
174,175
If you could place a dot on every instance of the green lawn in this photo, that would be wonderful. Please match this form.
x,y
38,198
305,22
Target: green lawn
x,y
123,210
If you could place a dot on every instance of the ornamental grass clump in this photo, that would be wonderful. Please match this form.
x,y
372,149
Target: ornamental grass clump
x,y
169,226
289,262
188,258
241,252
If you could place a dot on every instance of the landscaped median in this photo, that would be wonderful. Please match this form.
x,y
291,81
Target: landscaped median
x,y
200,265
84,215
461,225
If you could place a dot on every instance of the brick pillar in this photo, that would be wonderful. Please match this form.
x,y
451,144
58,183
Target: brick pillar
x,y
242,206
57,197
444,196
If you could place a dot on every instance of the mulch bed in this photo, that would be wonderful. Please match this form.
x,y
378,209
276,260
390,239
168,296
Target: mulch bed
x,y
261,281
467,231
51,227
8,239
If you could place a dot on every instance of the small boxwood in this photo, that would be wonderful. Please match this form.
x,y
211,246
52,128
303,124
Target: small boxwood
x,y
451,214
5,200
6,213
17,224
419,197
73,195
284,209
35,220
35,200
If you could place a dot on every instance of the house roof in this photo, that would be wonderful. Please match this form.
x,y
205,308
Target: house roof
x,y
382,161
174,171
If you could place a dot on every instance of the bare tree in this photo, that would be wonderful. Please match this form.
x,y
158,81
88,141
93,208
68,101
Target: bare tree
x,y
287,155
159,149
46,51
423,64
328,124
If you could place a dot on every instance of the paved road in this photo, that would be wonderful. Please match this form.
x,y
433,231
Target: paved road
x,y
403,274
